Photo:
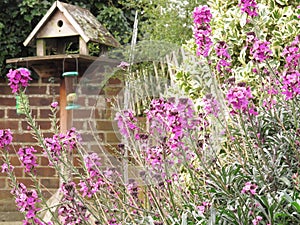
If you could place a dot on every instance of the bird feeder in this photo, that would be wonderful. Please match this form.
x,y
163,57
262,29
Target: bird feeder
x,y
70,84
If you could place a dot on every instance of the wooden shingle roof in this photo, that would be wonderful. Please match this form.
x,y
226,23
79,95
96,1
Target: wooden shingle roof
x,y
83,22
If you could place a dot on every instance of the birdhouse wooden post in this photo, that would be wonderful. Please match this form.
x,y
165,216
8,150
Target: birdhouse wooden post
x,y
63,30
61,39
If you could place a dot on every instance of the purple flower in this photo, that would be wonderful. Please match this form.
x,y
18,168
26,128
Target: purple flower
x,y
27,158
123,65
54,105
60,142
5,138
221,49
249,188
291,76
211,105
71,211
202,15
26,201
260,50
202,30
126,122
18,78
249,6
6,168
238,98
256,220
95,180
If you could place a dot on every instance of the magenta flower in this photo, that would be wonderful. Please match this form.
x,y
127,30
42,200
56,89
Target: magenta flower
x,y
238,98
18,78
93,183
249,188
202,30
261,50
5,138
5,168
54,105
291,76
249,6
123,65
26,201
27,158
211,105
126,122
72,211
256,220
203,207
221,49
61,142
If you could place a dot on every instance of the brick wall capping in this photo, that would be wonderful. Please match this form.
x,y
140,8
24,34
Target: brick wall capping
x,y
52,65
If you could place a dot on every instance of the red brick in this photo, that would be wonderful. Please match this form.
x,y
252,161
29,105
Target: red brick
x,y
40,101
114,81
5,90
104,125
45,171
44,125
44,113
5,194
7,101
18,171
27,182
112,138
12,113
25,137
9,124
82,113
36,90
50,183
77,161
2,112
112,91
15,161
2,182
44,161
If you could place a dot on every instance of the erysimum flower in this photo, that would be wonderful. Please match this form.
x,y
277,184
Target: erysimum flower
x,y
260,50
202,30
5,138
249,6
238,98
18,78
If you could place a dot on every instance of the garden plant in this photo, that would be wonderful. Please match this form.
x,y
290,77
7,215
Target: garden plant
x,y
225,153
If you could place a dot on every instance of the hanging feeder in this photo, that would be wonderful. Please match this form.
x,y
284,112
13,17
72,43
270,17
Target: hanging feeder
x,y
71,82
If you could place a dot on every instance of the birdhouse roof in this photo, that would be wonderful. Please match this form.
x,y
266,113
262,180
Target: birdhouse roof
x,y
82,20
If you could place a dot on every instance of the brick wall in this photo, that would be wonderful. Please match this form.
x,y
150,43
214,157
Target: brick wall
x,y
93,120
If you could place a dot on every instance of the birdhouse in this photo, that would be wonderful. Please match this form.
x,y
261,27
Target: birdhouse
x,y
61,39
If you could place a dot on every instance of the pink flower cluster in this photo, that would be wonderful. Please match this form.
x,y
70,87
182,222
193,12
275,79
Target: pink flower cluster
x,y
203,207
291,76
202,30
27,158
249,188
94,181
71,211
126,122
238,98
211,105
260,50
26,201
5,138
257,220
249,6
18,78
221,49
60,142
171,118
